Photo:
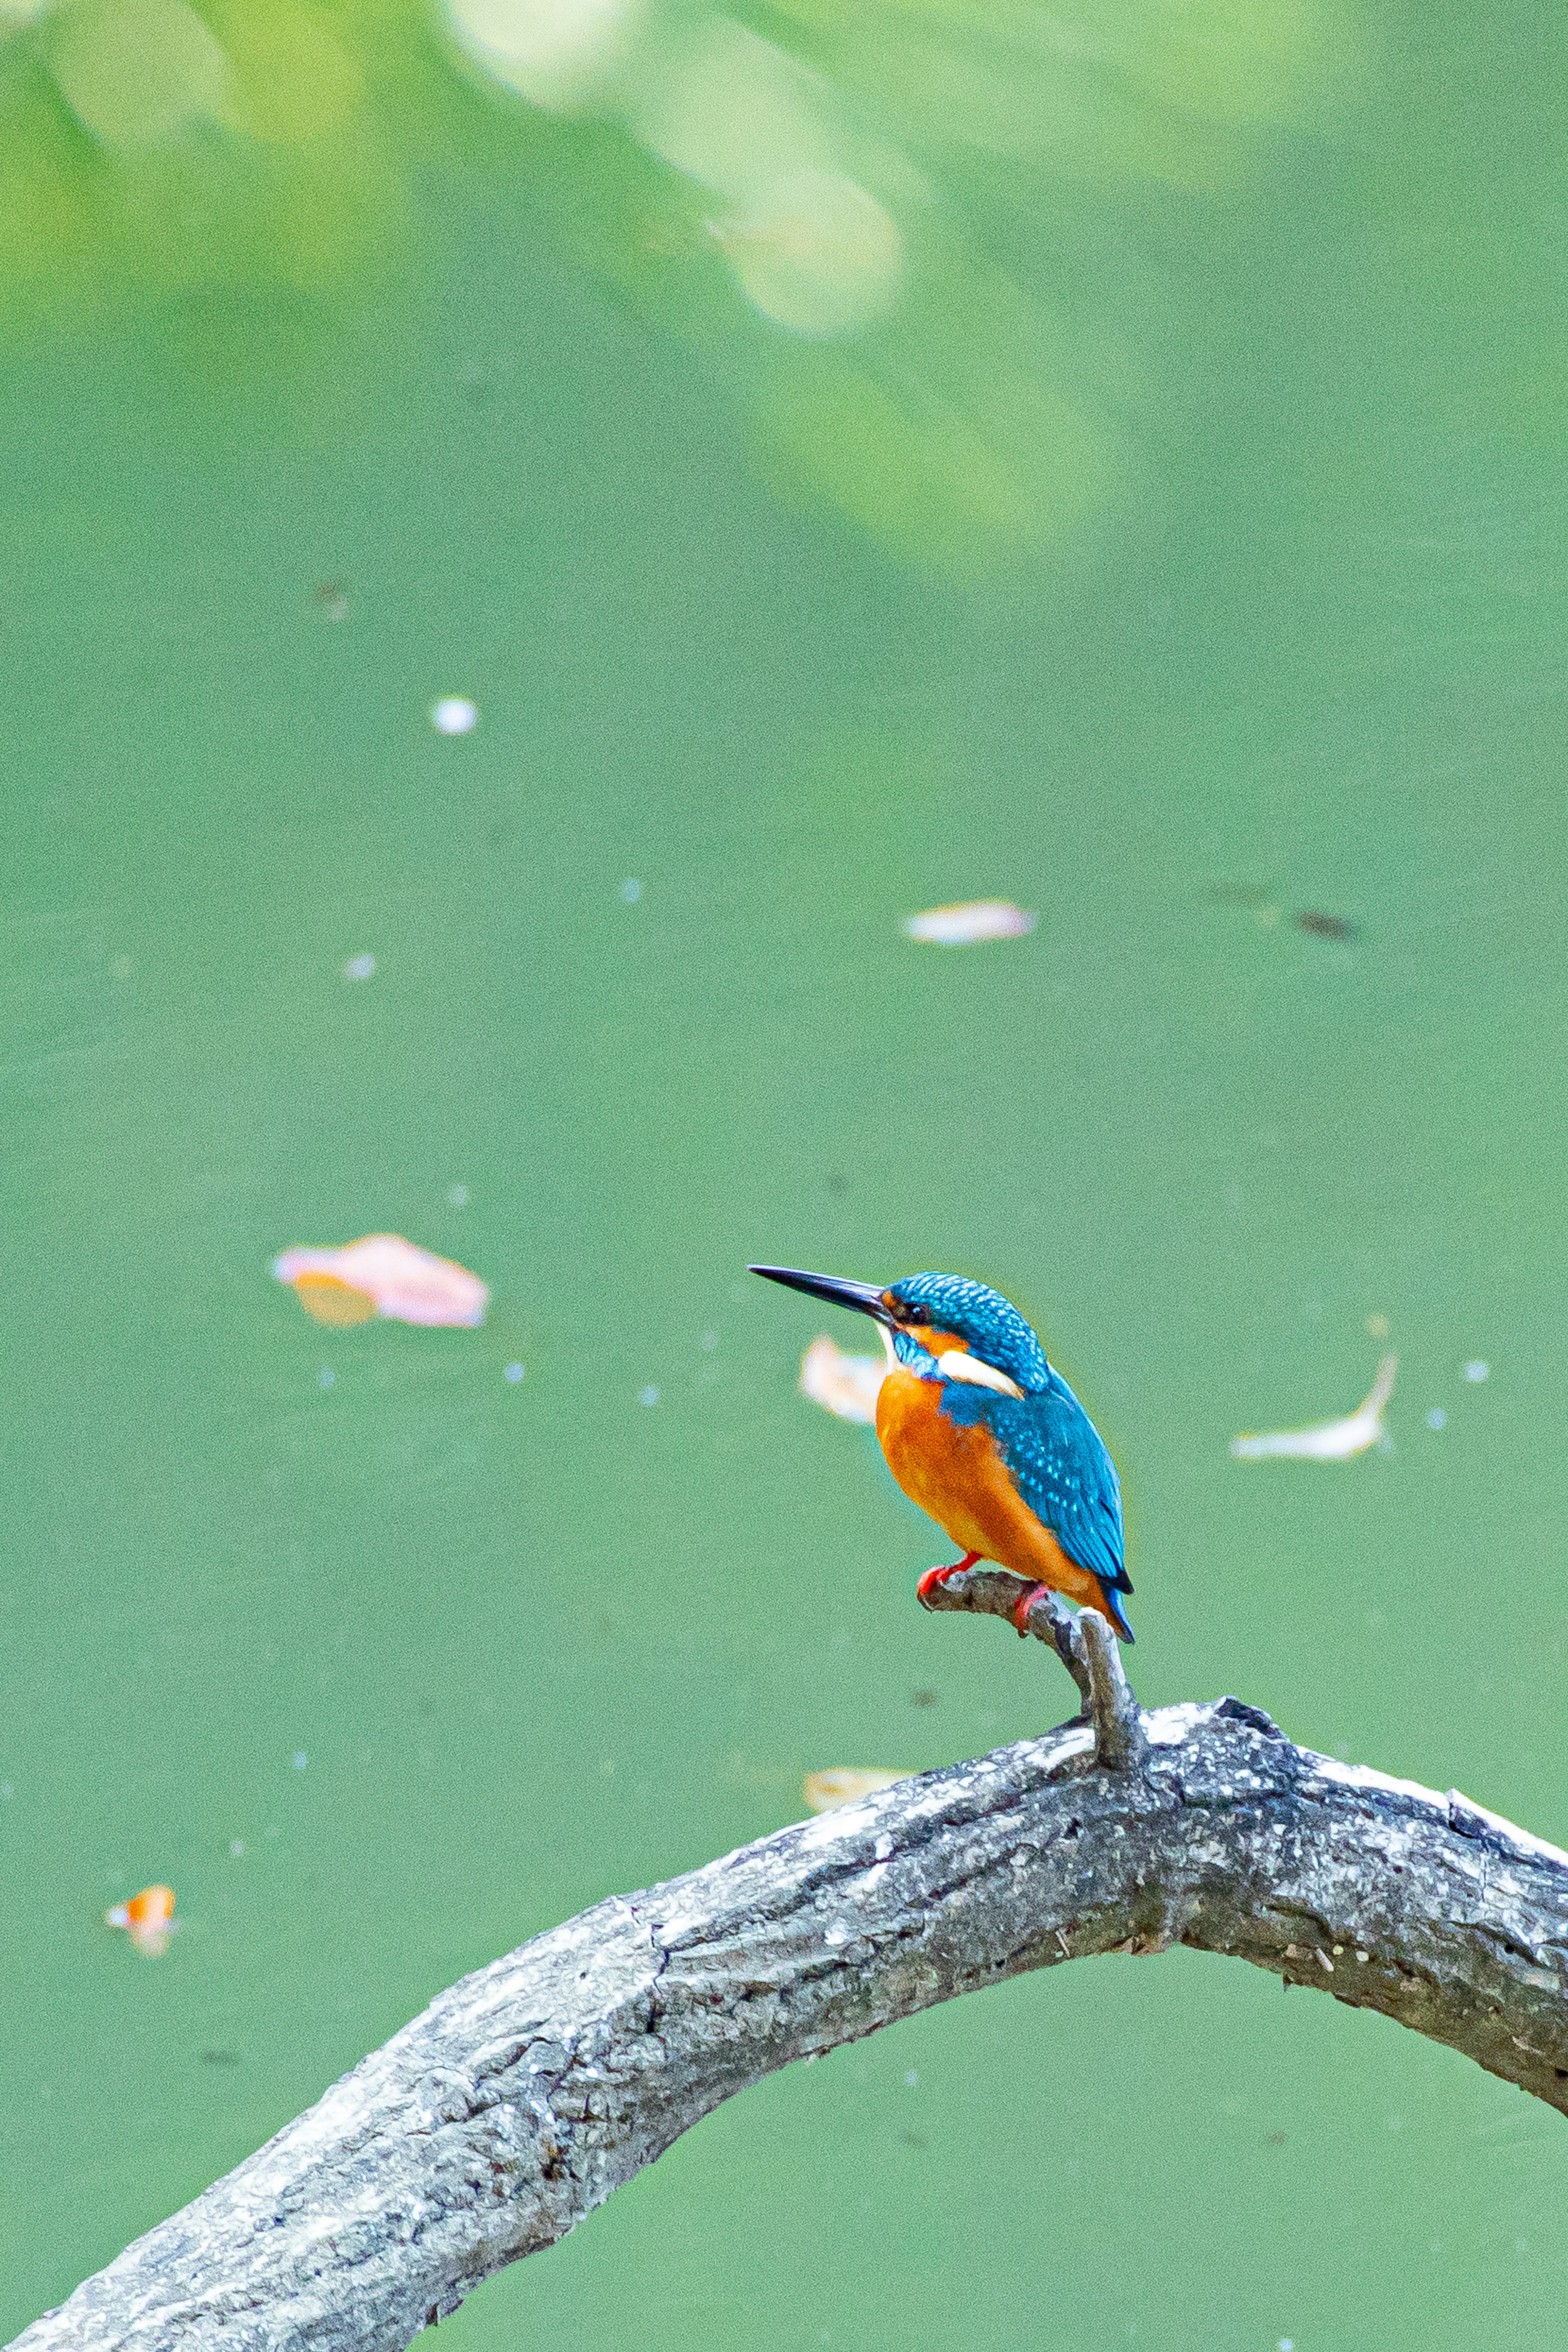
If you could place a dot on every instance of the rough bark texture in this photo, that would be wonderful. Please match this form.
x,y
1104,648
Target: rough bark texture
x,y
492,2124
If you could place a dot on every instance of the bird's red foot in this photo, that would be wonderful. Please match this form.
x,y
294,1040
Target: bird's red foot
x,y
935,1576
1021,1613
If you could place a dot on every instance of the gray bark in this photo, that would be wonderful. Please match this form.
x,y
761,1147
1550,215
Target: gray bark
x,y
492,2124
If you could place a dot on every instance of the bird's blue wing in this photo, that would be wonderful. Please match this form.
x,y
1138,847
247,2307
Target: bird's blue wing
x,y
1057,1460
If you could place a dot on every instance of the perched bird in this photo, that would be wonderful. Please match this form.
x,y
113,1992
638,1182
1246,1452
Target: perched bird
x,y
981,1432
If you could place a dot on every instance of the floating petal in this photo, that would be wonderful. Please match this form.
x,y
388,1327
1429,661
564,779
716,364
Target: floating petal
x,y
383,1275
973,920
845,1385
846,1784
148,1919
333,1301
1327,1441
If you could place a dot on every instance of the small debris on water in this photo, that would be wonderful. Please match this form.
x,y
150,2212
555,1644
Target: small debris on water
x,y
648,1395
325,1377
360,967
514,1372
1326,926
1327,1441
219,2057
454,714
383,1275
844,1784
1476,1370
458,1198
332,598
1436,1418
148,1919
923,1698
301,1760
237,1849
631,892
842,1384
1378,1326
911,2080
969,922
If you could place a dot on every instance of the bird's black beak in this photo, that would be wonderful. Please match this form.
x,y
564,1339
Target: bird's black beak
x,y
865,1296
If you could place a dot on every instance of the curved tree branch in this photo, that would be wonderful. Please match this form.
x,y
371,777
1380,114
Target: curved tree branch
x,y
491,2125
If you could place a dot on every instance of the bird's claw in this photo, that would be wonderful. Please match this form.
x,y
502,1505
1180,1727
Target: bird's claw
x,y
1021,1612
935,1577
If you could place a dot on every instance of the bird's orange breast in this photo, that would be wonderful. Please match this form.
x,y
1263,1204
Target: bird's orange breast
x,y
956,1473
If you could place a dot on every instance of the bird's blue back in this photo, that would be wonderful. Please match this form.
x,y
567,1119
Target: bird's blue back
x,y
1055,1455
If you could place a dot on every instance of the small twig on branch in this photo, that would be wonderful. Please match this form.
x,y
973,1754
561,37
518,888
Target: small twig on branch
x,y
1084,1642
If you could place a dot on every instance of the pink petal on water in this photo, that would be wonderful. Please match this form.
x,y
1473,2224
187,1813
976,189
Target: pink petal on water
x,y
407,1284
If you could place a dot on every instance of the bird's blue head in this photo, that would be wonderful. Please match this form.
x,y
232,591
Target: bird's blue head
x,y
933,1308
927,1314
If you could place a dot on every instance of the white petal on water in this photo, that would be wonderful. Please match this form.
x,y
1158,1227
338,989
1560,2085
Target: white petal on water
x,y
454,714
1327,1441
845,1385
845,1784
971,921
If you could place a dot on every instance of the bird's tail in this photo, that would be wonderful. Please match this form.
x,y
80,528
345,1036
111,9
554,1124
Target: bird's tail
x,y
1110,1606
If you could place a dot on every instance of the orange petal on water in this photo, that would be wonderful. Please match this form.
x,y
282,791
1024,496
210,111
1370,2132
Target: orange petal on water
x,y
148,1918
332,1300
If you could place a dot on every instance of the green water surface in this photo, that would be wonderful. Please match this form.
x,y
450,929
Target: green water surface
x,y
1246,594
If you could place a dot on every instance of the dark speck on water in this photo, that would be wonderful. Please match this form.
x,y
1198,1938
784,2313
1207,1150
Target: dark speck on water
x,y
1326,926
923,1698
220,2057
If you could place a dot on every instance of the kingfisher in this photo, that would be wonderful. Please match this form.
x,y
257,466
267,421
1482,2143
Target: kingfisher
x,y
986,1436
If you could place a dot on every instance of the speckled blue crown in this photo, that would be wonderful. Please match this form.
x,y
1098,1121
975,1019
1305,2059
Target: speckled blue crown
x,y
988,1324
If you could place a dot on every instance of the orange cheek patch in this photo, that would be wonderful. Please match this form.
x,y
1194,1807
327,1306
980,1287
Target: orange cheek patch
x,y
333,1301
936,1342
